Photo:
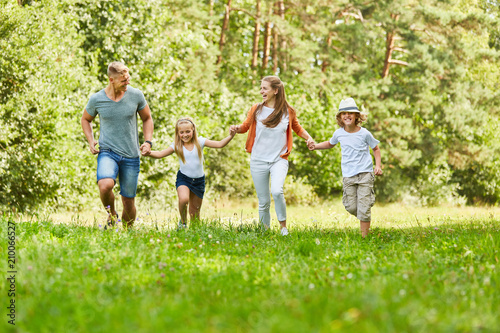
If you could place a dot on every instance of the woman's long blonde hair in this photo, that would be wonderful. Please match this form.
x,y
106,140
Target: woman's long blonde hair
x,y
178,144
281,106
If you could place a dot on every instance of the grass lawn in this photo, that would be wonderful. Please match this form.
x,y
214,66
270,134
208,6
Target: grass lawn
x,y
421,270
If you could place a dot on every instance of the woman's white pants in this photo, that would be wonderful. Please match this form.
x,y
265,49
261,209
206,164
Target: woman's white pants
x,y
261,172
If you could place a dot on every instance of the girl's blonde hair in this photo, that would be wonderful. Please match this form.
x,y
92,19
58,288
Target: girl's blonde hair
x,y
281,106
361,117
178,144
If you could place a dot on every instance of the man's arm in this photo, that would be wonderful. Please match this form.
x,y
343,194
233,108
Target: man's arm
x,y
87,130
147,129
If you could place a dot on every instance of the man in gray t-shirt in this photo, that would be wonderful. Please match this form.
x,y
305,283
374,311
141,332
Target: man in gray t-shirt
x,y
119,152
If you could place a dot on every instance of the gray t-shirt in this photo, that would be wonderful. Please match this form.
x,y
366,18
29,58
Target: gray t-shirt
x,y
355,148
118,121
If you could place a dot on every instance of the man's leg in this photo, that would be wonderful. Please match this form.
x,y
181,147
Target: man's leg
x,y
107,196
129,211
107,171
128,178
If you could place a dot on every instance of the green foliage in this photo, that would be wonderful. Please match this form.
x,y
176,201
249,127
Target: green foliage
x,y
436,118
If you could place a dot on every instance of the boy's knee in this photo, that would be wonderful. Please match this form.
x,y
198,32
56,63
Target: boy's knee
x,y
352,209
350,204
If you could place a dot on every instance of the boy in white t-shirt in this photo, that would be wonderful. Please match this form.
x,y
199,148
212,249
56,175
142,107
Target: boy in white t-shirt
x,y
357,166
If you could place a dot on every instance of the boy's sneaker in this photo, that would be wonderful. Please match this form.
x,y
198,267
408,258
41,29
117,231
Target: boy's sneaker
x,y
284,231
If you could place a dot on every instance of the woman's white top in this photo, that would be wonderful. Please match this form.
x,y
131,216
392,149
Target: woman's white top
x,y
193,168
269,143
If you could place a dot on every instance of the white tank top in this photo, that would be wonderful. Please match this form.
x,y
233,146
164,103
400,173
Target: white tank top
x,y
193,168
269,143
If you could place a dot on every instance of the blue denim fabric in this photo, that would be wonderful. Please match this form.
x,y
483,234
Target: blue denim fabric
x,y
112,165
195,185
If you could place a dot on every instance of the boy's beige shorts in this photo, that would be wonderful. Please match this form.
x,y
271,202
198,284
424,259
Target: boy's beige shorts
x,y
359,197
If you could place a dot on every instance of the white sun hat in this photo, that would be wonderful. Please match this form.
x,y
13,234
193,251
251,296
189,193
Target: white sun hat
x,y
348,105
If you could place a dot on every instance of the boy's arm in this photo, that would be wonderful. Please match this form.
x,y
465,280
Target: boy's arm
x,y
322,145
161,153
378,161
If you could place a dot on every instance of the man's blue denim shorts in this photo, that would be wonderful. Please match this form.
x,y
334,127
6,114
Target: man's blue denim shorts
x,y
112,165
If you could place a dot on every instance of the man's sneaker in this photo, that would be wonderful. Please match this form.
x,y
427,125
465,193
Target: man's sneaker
x,y
284,231
111,221
181,225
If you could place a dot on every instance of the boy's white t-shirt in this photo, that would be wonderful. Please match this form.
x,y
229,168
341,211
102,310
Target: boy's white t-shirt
x,y
355,148
269,143
193,168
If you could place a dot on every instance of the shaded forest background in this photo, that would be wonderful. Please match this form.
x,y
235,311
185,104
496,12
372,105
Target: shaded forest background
x,y
427,72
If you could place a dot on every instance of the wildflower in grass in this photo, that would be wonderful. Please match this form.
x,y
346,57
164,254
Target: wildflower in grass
x,y
210,236
162,275
317,241
311,286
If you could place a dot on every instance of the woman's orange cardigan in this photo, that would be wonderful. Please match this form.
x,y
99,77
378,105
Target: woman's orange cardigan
x,y
250,124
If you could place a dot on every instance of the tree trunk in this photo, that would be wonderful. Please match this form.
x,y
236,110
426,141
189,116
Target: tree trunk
x,y
389,47
325,63
225,24
275,49
256,36
267,39
281,5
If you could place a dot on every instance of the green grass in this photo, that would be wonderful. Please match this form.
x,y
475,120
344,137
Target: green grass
x,y
419,271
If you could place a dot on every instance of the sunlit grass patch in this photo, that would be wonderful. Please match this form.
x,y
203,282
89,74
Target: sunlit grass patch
x,y
416,272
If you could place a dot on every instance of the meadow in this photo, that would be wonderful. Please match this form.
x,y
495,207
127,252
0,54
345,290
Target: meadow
x,y
420,270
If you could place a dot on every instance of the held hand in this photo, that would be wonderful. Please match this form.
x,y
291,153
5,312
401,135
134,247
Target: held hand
x,y
378,171
232,130
145,149
94,147
311,144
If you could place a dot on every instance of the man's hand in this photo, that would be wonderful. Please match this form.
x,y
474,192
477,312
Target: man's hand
x,y
145,149
377,171
94,147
